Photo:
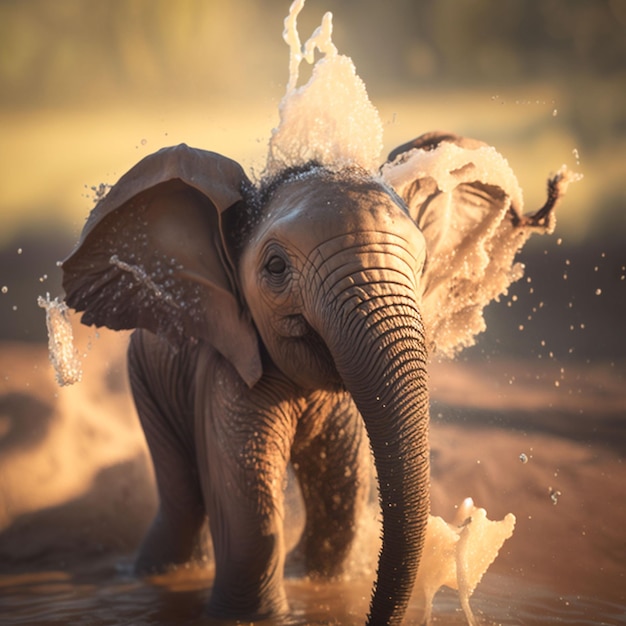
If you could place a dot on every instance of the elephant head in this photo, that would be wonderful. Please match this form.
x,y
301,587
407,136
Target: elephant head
x,y
324,273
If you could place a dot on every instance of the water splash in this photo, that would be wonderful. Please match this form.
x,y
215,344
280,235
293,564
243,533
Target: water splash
x,y
330,119
63,354
472,236
138,272
555,494
458,554
471,242
147,280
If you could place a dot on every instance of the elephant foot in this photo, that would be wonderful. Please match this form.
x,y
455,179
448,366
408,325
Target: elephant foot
x,y
324,553
168,545
248,583
245,609
219,616
148,563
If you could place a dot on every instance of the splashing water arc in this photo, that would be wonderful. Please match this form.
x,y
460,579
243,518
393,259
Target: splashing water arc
x,y
330,119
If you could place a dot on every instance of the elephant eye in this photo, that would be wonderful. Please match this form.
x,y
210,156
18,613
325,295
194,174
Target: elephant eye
x,y
276,265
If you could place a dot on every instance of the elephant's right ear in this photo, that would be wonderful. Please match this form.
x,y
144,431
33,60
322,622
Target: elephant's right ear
x,y
153,255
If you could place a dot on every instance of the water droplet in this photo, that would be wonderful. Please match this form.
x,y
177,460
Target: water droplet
x,y
598,292
523,458
4,289
19,250
555,494
555,112
144,142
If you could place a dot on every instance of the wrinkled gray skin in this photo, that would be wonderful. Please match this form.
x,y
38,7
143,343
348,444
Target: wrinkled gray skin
x,y
277,325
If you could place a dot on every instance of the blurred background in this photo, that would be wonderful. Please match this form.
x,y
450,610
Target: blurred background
x,y
87,89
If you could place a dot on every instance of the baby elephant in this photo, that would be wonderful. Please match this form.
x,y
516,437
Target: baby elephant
x,y
282,323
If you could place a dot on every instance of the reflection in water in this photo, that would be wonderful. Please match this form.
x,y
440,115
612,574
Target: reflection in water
x,y
106,596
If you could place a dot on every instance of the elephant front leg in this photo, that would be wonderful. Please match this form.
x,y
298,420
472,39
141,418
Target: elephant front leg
x,y
249,563
176,534
246,457
333,470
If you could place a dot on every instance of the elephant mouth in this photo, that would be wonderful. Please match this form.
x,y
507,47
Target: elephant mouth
x,y
305,357
294,326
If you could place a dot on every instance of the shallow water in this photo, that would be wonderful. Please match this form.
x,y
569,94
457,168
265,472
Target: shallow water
x,y
106,595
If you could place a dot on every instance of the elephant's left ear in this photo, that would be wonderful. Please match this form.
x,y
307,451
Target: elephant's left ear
x,y
153,255
467,202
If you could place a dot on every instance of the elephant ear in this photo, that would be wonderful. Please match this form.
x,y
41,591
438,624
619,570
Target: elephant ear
x,y
153,255
467,202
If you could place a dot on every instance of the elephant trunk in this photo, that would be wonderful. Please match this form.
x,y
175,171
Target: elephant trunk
x,y
379,351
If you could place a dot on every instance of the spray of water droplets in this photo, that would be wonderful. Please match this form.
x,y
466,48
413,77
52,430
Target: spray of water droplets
x,y
62,352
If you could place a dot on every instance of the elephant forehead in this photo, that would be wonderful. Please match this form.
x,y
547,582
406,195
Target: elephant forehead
x,y
307,215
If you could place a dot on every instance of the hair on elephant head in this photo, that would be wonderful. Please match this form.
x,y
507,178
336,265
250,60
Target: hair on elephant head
x,y
290,321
